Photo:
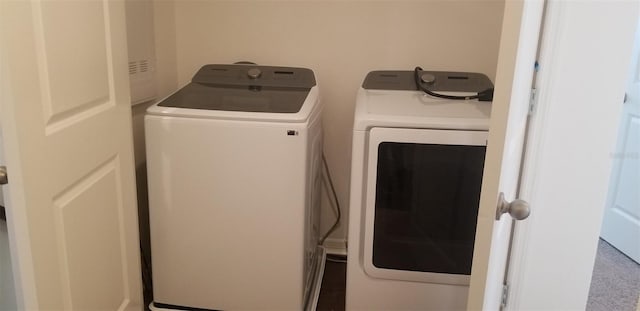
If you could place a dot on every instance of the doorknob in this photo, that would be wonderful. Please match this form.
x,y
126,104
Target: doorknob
x,y
518,209
3,175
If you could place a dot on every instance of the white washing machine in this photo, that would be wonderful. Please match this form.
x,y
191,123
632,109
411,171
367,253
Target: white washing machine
x,y
416,174
234,162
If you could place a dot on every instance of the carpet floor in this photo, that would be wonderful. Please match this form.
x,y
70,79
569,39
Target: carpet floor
x,y
615,284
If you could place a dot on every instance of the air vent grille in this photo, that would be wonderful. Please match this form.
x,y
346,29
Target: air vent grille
x,y
139,66
143,65
133,68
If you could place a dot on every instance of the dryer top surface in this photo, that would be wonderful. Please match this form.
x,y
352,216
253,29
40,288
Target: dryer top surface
x,y
414,109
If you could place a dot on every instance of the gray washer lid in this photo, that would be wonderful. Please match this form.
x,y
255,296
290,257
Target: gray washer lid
x,y
247,88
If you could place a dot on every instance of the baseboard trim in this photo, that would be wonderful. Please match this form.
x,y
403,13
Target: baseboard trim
x,y
336,246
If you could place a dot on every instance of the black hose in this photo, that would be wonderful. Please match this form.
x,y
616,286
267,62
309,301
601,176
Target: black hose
x,y
486,95
335,198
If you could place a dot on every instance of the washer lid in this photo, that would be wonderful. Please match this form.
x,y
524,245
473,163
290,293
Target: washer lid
x,y
245,88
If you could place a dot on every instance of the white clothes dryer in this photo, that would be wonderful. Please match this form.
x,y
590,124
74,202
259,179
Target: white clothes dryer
x,y
234,162
417,164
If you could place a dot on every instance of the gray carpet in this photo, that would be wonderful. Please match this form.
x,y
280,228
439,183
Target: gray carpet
x,y
615,285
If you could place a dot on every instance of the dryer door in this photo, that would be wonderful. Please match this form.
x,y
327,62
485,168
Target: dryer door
x,y
422,195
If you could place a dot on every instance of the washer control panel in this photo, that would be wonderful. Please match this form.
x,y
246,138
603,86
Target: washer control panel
x,y
255,75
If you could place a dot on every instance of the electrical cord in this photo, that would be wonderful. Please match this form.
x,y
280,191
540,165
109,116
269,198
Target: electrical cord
x,y
337,258
486,95
335,198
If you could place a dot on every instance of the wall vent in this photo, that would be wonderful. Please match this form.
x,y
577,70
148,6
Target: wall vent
x,y
143,65
141,50
133,68
142,80
140,66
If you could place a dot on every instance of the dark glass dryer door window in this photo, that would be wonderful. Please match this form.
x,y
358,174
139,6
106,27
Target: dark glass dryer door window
x,y
426,193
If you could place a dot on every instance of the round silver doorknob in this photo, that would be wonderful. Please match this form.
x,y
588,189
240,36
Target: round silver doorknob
x,y
518,209
4,179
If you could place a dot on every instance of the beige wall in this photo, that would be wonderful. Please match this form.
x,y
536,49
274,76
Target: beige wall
x,y
164,39
340,40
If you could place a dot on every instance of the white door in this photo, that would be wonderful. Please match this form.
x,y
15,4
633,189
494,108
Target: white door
x,y
518,46
621,223
66,122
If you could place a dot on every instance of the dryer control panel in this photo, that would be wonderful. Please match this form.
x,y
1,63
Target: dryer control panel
x,y
437,81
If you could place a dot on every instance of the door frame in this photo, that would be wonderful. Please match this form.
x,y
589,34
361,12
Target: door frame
x,y
17,225
544,273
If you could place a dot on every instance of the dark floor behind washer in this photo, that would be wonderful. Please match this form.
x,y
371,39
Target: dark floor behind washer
x,y
334,283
